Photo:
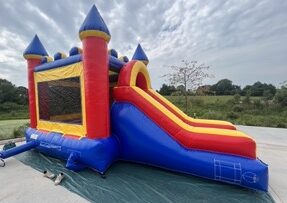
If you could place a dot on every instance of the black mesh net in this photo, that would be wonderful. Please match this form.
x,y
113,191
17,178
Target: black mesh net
x,y
60,100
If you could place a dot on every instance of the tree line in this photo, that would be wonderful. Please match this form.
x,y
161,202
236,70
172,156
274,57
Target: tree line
x,y
226,87
11,96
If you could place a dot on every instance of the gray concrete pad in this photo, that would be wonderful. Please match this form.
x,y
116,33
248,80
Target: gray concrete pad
x,y
272,149
21,183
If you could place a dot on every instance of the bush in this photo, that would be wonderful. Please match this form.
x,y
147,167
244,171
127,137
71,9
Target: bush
x,y
214,115
176,93
281,125
236,98
281,96
13,113
8,106
246,99
197,101
237,108
20,131
268,95
232,115
258,104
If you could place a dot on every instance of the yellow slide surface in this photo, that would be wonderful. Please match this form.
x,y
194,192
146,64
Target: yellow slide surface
x,y
189,120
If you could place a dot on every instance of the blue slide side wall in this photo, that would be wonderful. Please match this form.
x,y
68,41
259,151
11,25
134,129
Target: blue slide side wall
x,y
143,141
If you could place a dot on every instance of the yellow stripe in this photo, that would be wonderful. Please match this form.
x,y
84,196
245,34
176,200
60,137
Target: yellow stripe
x,y
174,118
32,56
171,105
73,70
65,117
94,33
63,128
68,71
139,67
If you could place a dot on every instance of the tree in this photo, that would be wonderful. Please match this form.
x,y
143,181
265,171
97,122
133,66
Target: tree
x,y
190,75
11,93
258,88
246,100
281,96
167,89
22,95
267,95
7,91
204,90
225,87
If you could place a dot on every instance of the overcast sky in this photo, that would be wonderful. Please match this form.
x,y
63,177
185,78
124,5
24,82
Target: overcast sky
x,y
245,41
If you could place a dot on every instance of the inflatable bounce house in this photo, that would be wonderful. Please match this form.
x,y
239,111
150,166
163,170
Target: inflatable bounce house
x,y
93,108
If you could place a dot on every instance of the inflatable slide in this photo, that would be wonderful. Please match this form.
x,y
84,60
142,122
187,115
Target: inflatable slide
x,y
93,108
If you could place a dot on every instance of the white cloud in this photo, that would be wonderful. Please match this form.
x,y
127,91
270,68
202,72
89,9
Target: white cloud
x,y
241,40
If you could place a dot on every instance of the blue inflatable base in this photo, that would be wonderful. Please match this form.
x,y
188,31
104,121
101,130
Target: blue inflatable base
x,y
79,153
136,138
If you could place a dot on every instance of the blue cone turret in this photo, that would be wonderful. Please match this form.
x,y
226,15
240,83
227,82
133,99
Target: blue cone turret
x,y
94,25
35,49
140,55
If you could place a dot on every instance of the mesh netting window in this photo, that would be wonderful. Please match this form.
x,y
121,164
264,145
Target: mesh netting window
x,y
60,100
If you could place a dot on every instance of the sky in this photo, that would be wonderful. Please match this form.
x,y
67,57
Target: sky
x,y
244,41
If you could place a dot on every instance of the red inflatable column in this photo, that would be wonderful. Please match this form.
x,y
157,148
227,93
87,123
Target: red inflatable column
x,y
95,36
32,63
33,54
96,73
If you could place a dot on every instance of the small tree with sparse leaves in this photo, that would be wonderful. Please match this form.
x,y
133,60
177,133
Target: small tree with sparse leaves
x,y
190,74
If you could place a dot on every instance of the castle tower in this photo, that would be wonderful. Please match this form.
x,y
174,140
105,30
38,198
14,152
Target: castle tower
x,y
140,55
95,37
33,54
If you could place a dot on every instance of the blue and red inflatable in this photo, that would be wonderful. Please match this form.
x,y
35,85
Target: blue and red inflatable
x,y
93,108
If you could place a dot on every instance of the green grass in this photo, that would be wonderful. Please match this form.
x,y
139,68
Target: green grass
x,y
255,113
22,114
7,127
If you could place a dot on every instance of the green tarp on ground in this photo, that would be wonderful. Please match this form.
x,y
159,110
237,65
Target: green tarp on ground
x,y
128,182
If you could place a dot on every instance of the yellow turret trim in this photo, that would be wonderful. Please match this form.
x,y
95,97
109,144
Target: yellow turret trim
x,y
94,33
32,56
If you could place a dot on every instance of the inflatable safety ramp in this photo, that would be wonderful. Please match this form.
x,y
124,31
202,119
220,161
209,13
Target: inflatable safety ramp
x,y
150,133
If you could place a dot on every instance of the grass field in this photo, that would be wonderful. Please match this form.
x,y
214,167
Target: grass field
x,y
256,112
7,127
13,115
208,99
